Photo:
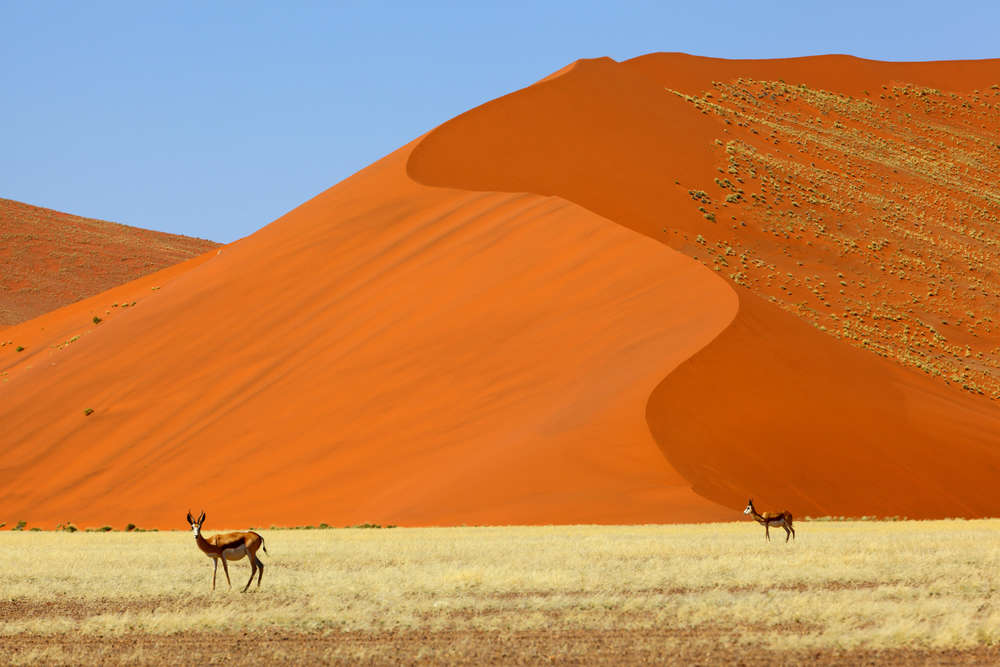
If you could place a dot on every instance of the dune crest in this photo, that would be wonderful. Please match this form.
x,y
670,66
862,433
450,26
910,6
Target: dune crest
x,y
387,352
773,408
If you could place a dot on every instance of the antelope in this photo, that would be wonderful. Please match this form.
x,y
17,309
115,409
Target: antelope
x,y
768,519
229,546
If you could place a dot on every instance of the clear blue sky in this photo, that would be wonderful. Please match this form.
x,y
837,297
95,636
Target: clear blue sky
x,y
211,119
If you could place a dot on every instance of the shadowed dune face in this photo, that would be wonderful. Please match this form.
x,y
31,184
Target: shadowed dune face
x,y
387,352
598,134
822,427
775,408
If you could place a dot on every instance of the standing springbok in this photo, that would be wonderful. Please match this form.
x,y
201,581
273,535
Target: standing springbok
x,y
768,519
229,546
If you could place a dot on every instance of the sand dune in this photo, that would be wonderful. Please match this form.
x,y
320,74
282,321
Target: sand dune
x,y
49,259
799,419
837,72
494,325
773,408
388,352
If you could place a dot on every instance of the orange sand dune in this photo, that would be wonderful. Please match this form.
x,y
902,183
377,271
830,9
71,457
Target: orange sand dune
x,y
49,259
471,331
841,73
598,134
800,419
773,408
387,352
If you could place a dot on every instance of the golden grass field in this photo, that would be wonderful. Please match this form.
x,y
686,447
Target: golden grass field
x,y
889,591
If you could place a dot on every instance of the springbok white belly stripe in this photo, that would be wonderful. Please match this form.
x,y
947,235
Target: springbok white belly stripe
x,y
235,553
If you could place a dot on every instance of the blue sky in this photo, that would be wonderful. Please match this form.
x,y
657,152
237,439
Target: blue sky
x,y
211,119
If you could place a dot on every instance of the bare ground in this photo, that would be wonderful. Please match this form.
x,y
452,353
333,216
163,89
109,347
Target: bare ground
x,y
702,647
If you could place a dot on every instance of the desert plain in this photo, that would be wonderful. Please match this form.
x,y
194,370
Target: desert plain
x,y
632,294
909,592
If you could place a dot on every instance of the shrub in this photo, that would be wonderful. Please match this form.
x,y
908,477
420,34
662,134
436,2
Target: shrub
x,y
19,348
97,320
88,412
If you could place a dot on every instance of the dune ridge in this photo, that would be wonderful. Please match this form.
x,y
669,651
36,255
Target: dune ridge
x,y
772,408
387,352
841,72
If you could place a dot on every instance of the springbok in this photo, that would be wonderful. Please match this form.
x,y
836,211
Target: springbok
x,y
229,546
768,519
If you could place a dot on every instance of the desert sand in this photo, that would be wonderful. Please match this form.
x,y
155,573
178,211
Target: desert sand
x,y
49,259
388,352
512,320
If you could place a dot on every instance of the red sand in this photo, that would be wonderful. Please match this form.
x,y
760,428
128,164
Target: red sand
x,y
799,419
837,72
773,408
414,346
49,259
387,352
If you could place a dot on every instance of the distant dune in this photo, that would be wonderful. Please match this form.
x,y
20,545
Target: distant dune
x,y
49,259
633,292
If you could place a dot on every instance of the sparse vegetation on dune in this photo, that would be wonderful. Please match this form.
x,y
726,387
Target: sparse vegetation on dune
x,y
54,258
660,593
875,218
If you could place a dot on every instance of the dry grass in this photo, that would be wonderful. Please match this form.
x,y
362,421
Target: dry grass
x,y
839,586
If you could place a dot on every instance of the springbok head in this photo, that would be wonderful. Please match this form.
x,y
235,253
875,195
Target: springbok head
x,y
749,509
196,523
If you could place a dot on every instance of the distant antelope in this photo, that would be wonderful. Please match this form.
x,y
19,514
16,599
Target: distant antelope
x,y
768,519
229,546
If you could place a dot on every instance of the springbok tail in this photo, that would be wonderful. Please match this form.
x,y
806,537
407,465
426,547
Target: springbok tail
x,y
262,545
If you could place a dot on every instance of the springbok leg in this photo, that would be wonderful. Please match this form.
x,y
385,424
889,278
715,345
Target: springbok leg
x,y
225,568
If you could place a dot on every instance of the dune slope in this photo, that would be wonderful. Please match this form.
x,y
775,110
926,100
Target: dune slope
x,y
49,259
802,420
388,352
776,408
